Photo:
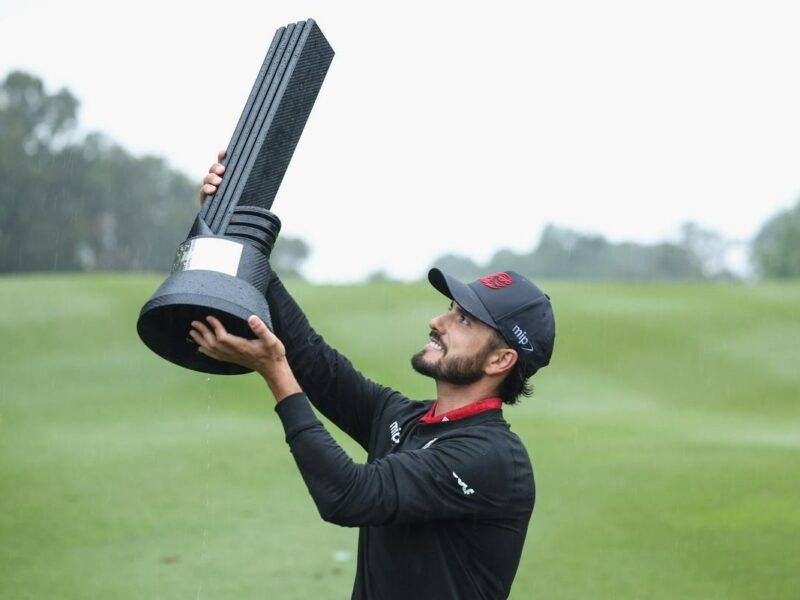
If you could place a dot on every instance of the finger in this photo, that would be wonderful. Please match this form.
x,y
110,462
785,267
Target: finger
x,y
221,155
208,189
207,335
219,328
217,169
212,179
198,339
260,328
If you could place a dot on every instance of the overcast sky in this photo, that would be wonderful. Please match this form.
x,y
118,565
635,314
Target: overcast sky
x,y
456,126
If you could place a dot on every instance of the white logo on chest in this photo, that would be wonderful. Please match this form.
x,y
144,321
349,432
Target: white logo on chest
x,y
467,490
428,445
394,432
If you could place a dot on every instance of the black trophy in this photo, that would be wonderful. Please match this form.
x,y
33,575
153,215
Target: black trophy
x,y
222,269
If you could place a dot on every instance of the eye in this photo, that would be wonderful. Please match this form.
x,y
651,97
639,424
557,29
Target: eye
x,y
461,316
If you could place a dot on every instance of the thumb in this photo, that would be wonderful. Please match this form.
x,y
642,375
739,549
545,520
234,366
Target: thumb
x,y
259,327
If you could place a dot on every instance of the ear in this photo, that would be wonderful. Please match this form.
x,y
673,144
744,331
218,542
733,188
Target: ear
x,y
501,361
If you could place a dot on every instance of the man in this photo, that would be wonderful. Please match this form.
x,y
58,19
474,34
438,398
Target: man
x,y
444,500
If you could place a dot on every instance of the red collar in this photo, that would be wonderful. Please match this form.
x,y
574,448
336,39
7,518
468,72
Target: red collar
x,y
459,413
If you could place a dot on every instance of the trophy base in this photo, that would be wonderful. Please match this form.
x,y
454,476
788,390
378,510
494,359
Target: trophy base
x,y
186,296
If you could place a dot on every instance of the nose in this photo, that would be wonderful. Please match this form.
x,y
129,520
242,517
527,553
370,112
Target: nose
x,y
436,322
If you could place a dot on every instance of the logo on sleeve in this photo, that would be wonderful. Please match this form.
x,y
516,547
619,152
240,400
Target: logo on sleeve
x,y
464,488
429,444
394,432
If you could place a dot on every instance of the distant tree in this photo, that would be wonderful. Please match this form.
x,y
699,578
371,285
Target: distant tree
x,y
673,262
80,204
564,253
32,119
776,248
511,261
288,256
32,124
458,266
379,276
709,247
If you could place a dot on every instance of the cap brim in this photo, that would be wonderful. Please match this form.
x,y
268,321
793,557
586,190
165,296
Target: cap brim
x,y
461,293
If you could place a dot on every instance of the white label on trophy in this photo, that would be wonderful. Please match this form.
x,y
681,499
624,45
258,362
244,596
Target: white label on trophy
x,y
208,254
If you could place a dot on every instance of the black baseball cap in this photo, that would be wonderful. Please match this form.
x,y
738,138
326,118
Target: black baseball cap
x,y
513,305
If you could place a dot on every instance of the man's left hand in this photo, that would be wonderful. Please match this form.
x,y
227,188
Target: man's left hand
x,y
266,354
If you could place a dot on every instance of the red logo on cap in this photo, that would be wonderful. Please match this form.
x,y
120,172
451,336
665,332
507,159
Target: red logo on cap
x,y
497,281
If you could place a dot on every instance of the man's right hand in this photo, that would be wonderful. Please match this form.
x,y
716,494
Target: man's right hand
x,y
213,179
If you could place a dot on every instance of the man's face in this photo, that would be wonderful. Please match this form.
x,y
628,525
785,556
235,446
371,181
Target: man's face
x,y
458,348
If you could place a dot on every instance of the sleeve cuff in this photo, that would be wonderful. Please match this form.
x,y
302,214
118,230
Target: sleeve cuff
x,y
296,414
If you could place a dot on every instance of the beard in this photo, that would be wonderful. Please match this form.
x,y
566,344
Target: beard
x,y
463,370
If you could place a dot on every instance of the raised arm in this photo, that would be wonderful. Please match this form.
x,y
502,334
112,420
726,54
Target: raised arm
x,y
329,379
334,386
456,478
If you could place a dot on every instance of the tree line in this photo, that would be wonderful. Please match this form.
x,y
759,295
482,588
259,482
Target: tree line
x,y
564,253
699,254
83,203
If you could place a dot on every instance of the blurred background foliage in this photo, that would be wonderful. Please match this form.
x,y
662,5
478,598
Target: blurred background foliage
x,y
72,202
777,245
699,254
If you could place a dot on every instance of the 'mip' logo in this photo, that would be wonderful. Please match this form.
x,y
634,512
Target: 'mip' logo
x,y
394,432
522,338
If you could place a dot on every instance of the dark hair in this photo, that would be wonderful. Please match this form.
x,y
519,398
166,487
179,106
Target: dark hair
x,y
515,384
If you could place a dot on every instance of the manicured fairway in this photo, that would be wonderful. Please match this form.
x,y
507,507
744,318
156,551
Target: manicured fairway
x,y
665,439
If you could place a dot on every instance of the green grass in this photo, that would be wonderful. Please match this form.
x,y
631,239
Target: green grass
x,y
665,439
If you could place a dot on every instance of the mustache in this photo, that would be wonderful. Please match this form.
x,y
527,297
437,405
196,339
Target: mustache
x,y
437,337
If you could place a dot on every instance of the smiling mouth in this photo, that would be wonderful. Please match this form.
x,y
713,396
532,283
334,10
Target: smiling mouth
x,y
435,344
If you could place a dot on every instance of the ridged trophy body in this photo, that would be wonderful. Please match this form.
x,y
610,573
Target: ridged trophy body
x,y
222,269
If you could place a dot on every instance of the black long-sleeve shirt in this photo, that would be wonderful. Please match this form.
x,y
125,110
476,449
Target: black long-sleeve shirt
x,y
443,508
